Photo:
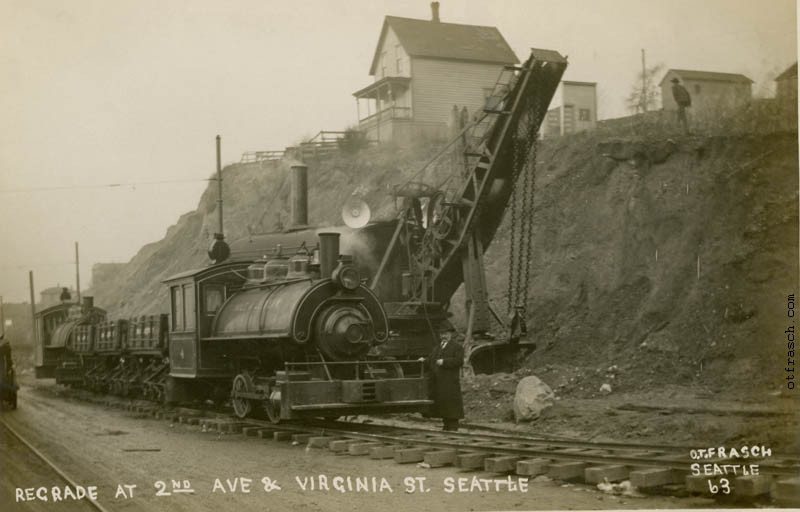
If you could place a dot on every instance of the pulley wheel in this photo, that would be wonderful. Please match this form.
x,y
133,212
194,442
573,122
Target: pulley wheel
x,y
438,219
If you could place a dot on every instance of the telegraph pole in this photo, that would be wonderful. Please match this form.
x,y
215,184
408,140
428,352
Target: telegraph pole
x,y
33,308
644,85
77,273
219,190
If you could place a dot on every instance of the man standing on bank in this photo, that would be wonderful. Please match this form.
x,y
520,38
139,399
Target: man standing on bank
x,y
444,364
684,101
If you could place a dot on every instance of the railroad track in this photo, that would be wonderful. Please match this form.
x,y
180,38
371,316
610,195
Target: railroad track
x,y
650,468
49,463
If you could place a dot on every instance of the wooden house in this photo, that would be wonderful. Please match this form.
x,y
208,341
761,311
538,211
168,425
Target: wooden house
x,y
421,69
709,90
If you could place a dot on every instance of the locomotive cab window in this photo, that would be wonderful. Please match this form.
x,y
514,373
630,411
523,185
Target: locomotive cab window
x,y
182,308
188,307
213,296
177,308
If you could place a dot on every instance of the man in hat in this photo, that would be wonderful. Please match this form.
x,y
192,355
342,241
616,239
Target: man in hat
x,y
684,101
444,364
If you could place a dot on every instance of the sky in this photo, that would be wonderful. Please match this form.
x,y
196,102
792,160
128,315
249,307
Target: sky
x,y
94,93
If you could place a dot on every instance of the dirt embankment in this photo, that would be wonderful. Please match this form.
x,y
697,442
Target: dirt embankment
x,y
668,256
669,259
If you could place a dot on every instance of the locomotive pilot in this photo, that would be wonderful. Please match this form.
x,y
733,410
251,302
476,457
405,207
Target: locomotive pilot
x,y
444,364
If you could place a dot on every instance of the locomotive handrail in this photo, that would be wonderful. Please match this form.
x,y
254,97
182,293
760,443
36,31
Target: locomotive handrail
x,y
289,365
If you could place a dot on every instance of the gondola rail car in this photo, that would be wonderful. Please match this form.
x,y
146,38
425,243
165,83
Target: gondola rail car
x,y
128,357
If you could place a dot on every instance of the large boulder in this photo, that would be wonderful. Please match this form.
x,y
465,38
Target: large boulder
x,y
531,398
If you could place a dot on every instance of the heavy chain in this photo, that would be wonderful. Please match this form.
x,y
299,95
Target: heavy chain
x,y
524,162
513,271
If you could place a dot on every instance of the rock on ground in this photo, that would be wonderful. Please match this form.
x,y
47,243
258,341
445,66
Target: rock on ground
x,y
531,398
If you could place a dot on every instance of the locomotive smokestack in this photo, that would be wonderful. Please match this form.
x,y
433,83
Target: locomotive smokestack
x,y
88,303
328,253
435,11
300,196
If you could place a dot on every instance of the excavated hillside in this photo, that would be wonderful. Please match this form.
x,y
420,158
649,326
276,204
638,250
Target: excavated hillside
x,y
666,257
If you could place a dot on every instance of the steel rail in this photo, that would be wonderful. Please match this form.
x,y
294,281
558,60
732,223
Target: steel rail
x,y
51,464
649,456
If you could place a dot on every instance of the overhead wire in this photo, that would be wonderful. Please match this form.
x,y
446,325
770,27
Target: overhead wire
x,y
100,186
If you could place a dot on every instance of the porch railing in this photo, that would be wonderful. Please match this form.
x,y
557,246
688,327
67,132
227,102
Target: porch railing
x,y
388,113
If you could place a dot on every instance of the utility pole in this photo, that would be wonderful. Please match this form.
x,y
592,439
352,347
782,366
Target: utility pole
x,y
219,235
644,85
77,273
2,317
33,308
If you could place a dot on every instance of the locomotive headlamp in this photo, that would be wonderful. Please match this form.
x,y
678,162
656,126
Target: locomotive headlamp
x,y
346,276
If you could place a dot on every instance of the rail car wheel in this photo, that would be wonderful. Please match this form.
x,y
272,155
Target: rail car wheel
x,y
273,406
242,383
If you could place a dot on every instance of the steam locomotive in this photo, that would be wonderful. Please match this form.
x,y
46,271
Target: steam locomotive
x,y
295,333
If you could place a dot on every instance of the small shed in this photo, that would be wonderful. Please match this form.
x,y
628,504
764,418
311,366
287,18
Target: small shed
x,y
574,109
709,89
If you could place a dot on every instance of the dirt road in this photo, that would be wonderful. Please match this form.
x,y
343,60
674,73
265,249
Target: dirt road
x,y
109,448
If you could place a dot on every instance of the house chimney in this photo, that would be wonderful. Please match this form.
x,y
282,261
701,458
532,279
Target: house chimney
x,y
435,11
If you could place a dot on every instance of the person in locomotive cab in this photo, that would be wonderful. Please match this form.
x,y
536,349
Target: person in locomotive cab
x,y
444,364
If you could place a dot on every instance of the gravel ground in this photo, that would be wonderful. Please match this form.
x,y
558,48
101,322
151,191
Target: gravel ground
x,y
106,447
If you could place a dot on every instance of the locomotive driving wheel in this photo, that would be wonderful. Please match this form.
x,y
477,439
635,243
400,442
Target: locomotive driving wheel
x,y
242,383
273,406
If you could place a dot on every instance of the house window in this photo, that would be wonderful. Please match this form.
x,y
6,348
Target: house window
x,y
584,114
383,64
697,88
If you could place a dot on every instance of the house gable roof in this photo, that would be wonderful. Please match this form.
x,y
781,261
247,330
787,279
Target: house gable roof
x,y
434,39
706,76
791,72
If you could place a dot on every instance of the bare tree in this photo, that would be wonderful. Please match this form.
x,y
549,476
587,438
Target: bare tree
x,y
645,94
